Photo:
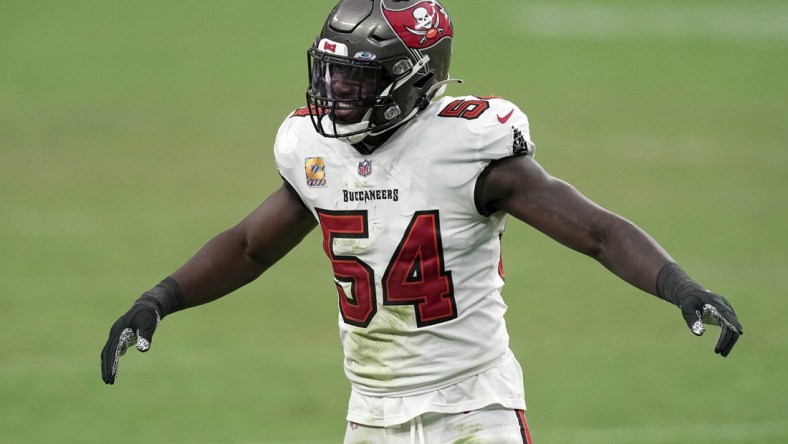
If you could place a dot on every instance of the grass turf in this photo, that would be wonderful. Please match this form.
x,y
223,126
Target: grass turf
x,y
131,133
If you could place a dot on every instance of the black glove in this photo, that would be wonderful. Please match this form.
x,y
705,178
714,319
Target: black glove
x,y
699,306
138,325
135,327
704,307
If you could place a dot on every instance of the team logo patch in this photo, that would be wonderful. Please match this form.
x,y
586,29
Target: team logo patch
x,y
519,144
315,168
421,25
365,168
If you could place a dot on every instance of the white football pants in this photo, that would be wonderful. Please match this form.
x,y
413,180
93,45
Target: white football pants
x,y
491,425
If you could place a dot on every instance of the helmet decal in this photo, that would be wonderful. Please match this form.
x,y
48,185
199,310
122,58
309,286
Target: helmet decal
x,y
420,26
365,55
332,47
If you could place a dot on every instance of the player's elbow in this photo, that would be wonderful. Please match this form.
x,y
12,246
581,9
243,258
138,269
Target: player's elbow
x,y
602,235
595,245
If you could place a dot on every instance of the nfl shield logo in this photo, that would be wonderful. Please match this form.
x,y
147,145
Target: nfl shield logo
x,y
365,168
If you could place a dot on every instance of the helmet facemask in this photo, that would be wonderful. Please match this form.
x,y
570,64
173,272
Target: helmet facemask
x,y
350,98
345,93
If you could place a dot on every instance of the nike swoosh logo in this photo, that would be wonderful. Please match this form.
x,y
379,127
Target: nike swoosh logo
x,y
505,118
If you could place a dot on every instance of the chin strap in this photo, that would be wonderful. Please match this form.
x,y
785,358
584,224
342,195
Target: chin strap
x,y
400,123
358,138
354,139
413,70
394,85
329,126
440,87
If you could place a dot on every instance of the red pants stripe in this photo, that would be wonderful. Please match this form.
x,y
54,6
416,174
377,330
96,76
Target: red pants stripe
x,y
524,427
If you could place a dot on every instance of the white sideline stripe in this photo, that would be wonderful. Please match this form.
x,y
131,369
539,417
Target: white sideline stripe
x,y
745,21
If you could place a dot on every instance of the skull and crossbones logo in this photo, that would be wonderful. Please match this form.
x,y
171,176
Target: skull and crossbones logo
x,y
428,25
420,26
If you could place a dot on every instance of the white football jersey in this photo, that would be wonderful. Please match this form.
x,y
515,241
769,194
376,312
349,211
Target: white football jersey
x,y
416,266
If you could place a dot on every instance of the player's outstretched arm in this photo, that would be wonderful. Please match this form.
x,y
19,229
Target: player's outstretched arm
x,y
227,262
522,188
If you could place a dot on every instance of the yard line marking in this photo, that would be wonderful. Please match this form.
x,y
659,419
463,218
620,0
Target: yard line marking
x,y
730,22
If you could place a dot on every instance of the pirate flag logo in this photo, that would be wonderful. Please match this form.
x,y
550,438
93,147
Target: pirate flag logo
x,y
421,25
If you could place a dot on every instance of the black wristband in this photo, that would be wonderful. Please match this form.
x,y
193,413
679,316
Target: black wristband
x,y
674,285
166,297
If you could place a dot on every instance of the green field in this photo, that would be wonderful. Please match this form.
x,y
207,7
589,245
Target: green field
x,y
132,132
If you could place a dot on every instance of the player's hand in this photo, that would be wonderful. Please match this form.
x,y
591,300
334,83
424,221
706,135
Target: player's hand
x,y
135,327
704,307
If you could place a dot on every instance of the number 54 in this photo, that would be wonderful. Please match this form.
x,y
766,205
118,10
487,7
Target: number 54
x,y
414,276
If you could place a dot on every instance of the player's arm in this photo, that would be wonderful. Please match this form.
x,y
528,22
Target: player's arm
x,y
230,260
522,188
239,255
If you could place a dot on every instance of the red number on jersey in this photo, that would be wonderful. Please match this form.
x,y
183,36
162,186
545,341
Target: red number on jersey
x,y
359,307
467,109
415,275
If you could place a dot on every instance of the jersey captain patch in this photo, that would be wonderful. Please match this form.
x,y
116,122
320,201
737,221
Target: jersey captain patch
x,y
315,169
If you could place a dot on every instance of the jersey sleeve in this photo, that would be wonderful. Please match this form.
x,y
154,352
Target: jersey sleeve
x,y
301,169
285,151
503,131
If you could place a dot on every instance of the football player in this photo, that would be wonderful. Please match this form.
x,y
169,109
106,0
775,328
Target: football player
x,y
411,192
